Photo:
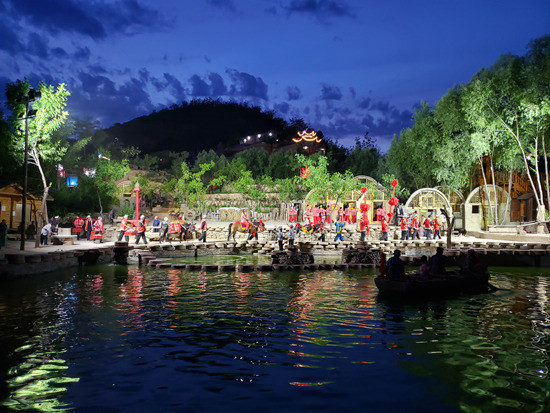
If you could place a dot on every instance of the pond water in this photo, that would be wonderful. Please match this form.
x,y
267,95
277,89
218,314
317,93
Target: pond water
x,y
114,338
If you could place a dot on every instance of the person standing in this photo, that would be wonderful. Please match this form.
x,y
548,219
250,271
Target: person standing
x,y
98,229
203,229
428,228
141,230
437,227
3,233
55,224
78,224
291,235
404,229
45,233
123,227
414,227
88,227
384,227
164,226
339,230
156,224
280,238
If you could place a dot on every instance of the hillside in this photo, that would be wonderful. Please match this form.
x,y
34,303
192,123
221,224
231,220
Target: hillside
x,y
197,125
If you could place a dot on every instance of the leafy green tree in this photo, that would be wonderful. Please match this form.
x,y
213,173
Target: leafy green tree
x,y
321,183
255,161
282,165
220,162
8,164
107,173
50,116
364,159
190,189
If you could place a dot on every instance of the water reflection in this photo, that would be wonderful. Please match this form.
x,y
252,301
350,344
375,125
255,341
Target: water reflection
x,y
166,340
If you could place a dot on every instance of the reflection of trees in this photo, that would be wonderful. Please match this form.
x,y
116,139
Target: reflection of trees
x,y
489,346
38,375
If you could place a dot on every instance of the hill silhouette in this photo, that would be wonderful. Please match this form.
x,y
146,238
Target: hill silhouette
x,y
197,125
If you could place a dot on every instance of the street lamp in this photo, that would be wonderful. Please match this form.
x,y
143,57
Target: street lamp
x,y
136,190
32,96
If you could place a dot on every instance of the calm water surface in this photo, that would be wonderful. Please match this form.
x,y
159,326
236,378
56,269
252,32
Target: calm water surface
x,y
117,339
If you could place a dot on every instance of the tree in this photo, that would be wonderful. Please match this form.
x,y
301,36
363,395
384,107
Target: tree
x,y
321,183
190,188
50,116
512,118
364,159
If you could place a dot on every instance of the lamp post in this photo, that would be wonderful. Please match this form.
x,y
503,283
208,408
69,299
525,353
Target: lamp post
x,y
136,190
32,96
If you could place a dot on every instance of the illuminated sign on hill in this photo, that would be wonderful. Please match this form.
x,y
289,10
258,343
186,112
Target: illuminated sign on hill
x,y
307,137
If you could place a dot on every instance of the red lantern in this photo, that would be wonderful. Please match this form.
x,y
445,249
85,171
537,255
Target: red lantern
x,y
364,189
393,201
394,183
390,215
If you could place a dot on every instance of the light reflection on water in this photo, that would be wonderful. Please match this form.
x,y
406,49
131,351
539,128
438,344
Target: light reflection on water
x,y
142,339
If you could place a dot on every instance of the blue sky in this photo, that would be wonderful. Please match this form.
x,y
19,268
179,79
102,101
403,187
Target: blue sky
x,y
344,66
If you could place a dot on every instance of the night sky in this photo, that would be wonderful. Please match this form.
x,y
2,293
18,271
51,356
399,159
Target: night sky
x,y
344,66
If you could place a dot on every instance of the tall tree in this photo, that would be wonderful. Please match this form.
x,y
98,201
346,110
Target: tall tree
x,y
50,116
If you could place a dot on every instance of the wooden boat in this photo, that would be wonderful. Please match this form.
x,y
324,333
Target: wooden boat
x,y
414,285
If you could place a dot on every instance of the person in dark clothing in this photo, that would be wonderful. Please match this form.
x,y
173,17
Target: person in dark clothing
x,y
437,262
395,268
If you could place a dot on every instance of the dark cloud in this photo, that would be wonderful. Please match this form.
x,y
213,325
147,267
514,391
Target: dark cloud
x,y
282,108
107,101
37,46
293,93
59,53
174,86
57,16
364,103
95,19
198,86
217,85
82,53
320,8
215,88
246,86
9,40
223,4
329,92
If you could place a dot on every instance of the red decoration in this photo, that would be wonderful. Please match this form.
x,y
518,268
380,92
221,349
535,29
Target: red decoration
x,y
305,172
364,207
394,183
364,189
393,201
390,215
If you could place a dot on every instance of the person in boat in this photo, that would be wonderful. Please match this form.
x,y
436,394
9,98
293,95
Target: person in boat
x,y
473,264
424,267
437,263
395,267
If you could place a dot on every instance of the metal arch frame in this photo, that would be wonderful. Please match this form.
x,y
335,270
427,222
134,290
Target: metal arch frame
x,y
437,191
477,189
